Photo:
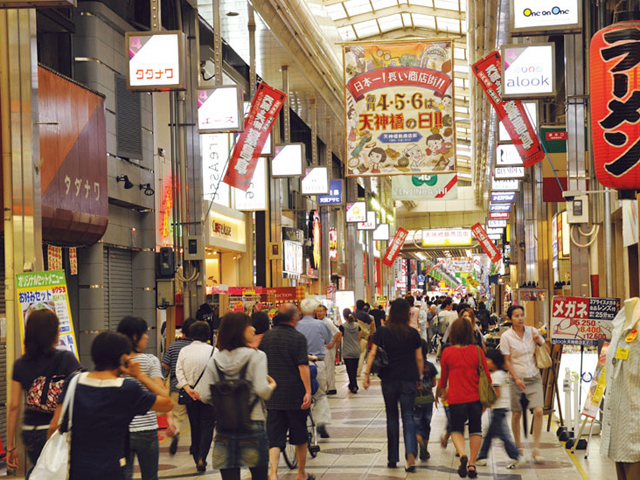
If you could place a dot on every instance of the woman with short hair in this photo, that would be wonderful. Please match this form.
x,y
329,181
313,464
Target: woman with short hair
x,y
351,335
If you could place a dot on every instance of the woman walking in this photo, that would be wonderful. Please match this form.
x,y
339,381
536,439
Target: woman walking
x,y
518,345
351,335
399,380
41,366
233,450
460,363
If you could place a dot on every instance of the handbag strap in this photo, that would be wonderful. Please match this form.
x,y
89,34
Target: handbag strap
x,y
213,349
67,404
480,369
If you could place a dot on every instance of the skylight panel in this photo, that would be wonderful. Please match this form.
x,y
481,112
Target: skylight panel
x,y
366,29
448,24
459,53
336,11
446,4
356,7
390,22
422,3
380,4
424,21
461,68
347,33
459,82
407,19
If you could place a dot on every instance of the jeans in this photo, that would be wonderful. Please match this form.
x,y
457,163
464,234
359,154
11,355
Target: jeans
x,y
498,429
402,391
146,447
352,371
34,441
422,419
202,421
257,473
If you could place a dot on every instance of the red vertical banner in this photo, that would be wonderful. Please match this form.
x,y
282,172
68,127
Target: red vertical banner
x,y
394,247
485,242
265,107
511,113
54,257
73,260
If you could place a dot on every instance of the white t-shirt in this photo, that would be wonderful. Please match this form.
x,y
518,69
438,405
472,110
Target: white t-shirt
x,y
522,351
500,378
448,317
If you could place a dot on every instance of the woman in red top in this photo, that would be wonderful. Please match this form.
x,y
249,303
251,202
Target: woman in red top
x,y
459,365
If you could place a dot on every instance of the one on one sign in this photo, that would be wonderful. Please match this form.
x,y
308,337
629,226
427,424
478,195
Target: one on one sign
x,y
399,109
582,320
156,61
541,16
220,109
528,71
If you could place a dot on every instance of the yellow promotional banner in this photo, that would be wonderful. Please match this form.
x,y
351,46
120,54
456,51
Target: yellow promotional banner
x,y
399,108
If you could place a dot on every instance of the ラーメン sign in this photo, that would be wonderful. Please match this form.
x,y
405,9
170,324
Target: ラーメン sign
x,y
540,16
528,70
399,109
156,61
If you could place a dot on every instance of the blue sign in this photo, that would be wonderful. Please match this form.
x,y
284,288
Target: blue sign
x,y
500,207
335,194
400,137
503,197
421,278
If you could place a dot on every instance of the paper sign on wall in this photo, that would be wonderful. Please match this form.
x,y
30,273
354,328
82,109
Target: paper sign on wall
x,y
582,320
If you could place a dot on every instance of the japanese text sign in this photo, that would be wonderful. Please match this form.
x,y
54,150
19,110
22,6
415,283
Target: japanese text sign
x,y
394,247
446,237
54,257
334,197
511,113
582,320
220,109
485,242
265,107
39,290
615,105
156,61
499,207
503,197
425,187
399,109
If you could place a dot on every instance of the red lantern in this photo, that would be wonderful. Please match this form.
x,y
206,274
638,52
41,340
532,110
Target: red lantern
x,y
615,105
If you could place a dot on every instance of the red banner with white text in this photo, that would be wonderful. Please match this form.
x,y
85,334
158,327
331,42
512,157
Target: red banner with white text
x,y
511,113
394,247
485,242
265,107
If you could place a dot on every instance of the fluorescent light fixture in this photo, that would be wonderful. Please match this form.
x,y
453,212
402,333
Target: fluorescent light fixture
x,y
375,205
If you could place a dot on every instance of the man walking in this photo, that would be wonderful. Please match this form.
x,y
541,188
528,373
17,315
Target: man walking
x,y
169,362
330,358
318,336
368,327
288,407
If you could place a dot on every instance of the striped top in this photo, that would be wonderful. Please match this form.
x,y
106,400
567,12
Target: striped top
x,y
149,365
170,358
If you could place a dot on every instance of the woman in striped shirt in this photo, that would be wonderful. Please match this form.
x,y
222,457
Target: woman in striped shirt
x,y
143,429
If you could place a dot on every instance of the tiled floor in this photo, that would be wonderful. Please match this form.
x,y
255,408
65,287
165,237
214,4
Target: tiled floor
x,y
357,449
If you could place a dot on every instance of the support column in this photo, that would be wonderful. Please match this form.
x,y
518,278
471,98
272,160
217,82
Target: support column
x,y
325,216
351,242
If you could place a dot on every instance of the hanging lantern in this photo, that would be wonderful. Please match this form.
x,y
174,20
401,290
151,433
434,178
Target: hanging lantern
x,y
615,105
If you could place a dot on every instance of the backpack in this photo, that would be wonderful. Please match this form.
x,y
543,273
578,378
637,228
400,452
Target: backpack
x,y
42,395
232,404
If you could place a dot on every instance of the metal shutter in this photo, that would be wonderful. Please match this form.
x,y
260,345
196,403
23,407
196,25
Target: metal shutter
x,y
128,120
118,285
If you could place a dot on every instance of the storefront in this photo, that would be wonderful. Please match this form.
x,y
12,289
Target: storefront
x,y
225,245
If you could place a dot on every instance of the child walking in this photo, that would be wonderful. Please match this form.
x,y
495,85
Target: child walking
x,y
423,404
498,418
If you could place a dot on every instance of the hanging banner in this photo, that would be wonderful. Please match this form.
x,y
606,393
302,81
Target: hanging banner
x,y
265,107
485,242
394,247
54,258
73,260
425,187
615,101
399,109
511,113
582,320
38,290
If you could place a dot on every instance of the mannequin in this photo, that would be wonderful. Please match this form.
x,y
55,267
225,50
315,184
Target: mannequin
x,y
621,429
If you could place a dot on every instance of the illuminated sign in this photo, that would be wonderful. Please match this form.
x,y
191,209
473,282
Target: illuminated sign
x,y
333,243
503,197
316,182
441,238
508,172
288,160
255,198
292,259
499,215
507,154
156,61
220,109
499,207
495,231
528,70
223,228
496,224
370,224
532,112
166,210
443,186
215,150
382,233
356,212
334,197
545,16
498,185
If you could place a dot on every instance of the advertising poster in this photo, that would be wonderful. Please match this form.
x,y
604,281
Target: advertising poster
x,y
39,290
597,387
425,187
582,320
485,242
399,109
394,247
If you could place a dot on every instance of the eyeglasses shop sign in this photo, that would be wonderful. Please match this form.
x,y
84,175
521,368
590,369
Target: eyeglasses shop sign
x,y
546,15
528,71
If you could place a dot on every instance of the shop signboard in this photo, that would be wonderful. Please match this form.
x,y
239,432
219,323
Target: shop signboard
x,y
226,231
156,61
504,185
499,215
333,243
356,212
582,320
255,197
503,197
425,187
528,71
485,242
531,107
220,109
288,160
382,233
265,107
39,290
496,224
499,207
615,100
316,182
334,197
446,237
545,16
215,151
505,173
394,247
510,112
399,109
292,258
507,155
370,223
598,385
494,231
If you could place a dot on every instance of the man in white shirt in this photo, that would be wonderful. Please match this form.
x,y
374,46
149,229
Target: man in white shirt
x,y
446,316
330,358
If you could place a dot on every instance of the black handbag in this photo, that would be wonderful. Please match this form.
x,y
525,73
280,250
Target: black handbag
x,y
183,397
380,361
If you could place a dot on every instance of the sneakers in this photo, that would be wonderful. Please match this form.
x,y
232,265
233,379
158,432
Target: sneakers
x,y
518,462
536,456
482,462
173,448
322,430
332,392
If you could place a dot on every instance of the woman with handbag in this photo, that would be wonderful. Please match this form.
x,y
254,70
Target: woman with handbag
x,y
402,347
40,372
192,362
519,346
351,335
237,362
463,365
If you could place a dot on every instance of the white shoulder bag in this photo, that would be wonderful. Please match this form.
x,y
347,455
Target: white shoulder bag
x,y
53,463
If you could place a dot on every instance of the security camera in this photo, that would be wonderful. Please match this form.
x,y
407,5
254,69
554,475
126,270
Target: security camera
x,y
569,195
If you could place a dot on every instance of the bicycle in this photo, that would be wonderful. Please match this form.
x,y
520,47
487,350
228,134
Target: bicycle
x,y
290,454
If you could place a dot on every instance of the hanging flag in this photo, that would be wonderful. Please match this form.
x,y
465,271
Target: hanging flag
x,y
73,260
394,247
511,113
265,107
485,242
54,255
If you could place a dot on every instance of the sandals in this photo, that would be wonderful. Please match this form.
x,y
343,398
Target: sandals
x,y
462,469
472,471
443,441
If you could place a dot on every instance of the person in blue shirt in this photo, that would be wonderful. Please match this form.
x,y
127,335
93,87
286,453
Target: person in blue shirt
x,y
318,335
